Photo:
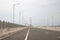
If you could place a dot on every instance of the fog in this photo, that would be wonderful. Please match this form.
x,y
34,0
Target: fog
x,y
43,12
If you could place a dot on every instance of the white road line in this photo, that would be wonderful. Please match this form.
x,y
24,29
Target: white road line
x,y
27,34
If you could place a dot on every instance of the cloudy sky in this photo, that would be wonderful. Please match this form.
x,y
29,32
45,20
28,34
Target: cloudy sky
x,y
43,12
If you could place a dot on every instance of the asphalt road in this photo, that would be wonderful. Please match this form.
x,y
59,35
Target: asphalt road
x,y
34,34
20,35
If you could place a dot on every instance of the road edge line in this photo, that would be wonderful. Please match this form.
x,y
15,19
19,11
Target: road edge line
x,y
27,34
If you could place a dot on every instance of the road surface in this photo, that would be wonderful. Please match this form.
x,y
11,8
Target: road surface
x,y
34,34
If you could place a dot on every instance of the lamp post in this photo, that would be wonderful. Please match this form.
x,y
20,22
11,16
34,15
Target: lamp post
x,y
30,20
14,10
52,20
19,17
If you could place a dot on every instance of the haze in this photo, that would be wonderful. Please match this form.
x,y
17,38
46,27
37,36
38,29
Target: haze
x,y
43,12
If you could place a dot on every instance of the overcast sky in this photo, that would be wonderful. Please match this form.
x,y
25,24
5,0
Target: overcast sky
x,y
43,12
